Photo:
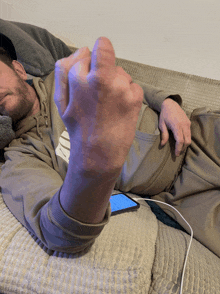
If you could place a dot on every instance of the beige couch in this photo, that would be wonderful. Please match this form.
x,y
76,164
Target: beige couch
x,y
135,253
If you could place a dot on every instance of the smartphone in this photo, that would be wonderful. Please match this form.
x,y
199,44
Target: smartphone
x,y
122,203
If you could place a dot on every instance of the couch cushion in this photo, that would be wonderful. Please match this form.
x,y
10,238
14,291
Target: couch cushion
x,y
120,261
202,269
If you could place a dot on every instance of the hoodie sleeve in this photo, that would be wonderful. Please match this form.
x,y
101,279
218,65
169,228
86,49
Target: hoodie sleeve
x,y
31,189
154,96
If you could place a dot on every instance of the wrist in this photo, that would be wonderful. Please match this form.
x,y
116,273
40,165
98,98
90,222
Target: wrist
x,y
168,101
97,157
85,195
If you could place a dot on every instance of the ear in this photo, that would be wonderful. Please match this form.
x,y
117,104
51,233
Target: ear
x,y
19,69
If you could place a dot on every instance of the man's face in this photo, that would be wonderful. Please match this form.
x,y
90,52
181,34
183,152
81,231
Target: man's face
x,y
14,94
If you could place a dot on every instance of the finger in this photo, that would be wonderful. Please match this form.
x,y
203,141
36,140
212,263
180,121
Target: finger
x,y
77,78
179,137
80,69
61,87
65,64
164,133
103,55
186,136
62,68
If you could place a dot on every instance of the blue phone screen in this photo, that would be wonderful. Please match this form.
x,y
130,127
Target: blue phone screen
x,y
121,201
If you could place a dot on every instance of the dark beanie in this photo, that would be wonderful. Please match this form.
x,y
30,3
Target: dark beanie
x,y
6,132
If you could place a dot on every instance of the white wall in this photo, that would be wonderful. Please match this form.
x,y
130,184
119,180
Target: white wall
x,y
182,35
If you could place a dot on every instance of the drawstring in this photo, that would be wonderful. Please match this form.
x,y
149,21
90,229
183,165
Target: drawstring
x,y
45,113
38,131
46,120
45,117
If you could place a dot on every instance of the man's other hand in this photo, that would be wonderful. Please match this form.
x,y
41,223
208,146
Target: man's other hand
x,y
99,105
174,118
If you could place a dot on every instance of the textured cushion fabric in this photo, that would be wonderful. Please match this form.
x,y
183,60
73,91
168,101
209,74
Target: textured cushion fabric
x,y
135,253
120,261
196,92
202,270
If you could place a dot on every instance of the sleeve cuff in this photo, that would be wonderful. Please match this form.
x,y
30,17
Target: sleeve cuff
x,y
154,97
177,98
72,226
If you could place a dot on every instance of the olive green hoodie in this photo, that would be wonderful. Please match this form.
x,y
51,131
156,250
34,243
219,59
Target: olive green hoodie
x,y
36,163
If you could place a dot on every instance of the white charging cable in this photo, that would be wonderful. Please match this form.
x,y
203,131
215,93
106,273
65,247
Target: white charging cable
x,y
184,266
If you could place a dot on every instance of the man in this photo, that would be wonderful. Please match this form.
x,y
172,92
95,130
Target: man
x,y
58,181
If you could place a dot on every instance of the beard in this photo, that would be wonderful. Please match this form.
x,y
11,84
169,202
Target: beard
x,y
23,105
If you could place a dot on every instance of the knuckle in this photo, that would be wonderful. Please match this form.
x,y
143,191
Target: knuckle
x,y
73,78
72,74
98,77
188,142
119,68
97,80
180,141
188,122
60,63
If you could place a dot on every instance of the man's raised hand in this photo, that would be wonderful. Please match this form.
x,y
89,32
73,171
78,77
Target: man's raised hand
x,y
98,104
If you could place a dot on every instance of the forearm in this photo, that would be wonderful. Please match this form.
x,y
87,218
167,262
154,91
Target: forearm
x,y
97,102
154,97
85,194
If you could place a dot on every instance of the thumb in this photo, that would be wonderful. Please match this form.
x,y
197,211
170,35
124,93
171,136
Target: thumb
x,y
164,134
103,55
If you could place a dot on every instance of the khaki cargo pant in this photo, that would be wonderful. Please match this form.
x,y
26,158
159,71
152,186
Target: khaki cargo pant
x,y
196,191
